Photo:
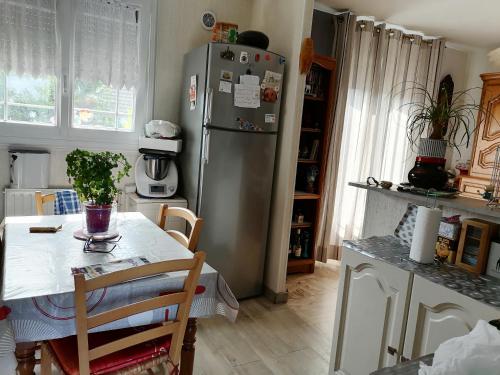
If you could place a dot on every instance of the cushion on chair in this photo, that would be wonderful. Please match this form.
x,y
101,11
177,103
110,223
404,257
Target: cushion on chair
x,y
66,351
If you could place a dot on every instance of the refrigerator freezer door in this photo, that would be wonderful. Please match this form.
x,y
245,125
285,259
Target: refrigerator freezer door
x,y
236,186
225,73
195,65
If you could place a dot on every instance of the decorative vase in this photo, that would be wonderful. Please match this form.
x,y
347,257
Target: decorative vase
x,y
428,173
98,218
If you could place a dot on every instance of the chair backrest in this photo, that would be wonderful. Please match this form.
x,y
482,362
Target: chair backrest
x,y
176,328
41,199
195,222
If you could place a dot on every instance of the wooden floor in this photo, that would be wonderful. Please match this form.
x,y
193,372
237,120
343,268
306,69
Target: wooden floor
x,y
293,338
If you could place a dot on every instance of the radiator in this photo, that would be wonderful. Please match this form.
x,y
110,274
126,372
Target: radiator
x,y
21,202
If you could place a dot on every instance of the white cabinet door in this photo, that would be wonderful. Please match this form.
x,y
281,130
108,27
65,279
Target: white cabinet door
x,y
151,207
370,316
437,314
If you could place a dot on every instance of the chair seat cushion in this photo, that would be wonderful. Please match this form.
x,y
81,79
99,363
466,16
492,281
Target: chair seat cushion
x,y
66,351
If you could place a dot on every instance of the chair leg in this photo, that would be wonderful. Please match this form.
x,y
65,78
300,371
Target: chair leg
x,y
46,361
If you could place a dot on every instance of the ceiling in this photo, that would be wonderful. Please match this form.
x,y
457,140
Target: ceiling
x,y
473,23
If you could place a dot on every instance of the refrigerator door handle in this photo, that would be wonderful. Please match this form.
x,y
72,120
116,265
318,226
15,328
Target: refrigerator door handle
x,y
206,145
208,108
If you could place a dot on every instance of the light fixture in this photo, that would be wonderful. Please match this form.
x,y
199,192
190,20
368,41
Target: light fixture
x,y
494,57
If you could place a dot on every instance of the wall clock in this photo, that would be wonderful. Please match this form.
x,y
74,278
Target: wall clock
x,y
208,20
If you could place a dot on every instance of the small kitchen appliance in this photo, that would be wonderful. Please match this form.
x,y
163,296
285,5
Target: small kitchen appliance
x,y
29,169
156,174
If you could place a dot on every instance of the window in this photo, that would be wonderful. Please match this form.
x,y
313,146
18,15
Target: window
x,y
106,49
79,67
29,100
27,62
99,106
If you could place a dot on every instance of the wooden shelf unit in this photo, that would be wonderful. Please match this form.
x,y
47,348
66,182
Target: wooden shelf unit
x,y
301,225
316,128
310,130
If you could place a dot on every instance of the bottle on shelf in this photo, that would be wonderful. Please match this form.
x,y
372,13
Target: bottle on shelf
x,y
306,240
297,246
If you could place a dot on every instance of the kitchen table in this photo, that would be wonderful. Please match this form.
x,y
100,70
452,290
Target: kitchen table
x,y
38,284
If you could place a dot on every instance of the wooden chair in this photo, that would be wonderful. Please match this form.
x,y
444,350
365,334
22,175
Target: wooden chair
x,y
195,222
75,355
41,199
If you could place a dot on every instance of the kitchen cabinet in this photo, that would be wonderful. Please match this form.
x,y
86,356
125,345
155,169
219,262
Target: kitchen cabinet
x,y
370,318
486,140
437,314
150,207
390,309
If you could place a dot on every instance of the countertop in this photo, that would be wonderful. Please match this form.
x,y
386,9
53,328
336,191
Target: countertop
x,y
391,250
476,206
405,368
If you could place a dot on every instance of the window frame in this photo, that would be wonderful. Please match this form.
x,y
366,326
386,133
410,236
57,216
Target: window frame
x,y
63,133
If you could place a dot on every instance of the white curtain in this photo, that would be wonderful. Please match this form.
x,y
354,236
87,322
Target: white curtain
x,y
385,65
106,42
28,37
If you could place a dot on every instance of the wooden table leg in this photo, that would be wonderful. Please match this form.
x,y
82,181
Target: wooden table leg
x,y
25,355
187,354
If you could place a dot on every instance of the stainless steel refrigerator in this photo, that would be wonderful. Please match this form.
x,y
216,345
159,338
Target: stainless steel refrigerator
x,y
230,128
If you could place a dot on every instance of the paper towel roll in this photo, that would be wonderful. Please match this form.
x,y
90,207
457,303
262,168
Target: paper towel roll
x,y
425,234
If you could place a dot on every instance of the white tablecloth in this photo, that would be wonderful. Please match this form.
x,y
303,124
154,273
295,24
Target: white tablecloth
x,y
38,285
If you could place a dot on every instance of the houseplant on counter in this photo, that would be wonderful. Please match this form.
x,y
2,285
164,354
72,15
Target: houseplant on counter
x,y
448,120
94,176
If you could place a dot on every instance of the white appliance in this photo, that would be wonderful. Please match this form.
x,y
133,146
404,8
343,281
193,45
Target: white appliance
x,y
151,207
156,174
29,169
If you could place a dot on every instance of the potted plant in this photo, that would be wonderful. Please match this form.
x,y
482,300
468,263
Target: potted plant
x,y
448,119
94,176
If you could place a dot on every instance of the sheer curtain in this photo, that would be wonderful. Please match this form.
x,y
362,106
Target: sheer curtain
x,y
107,42
384,65
28,37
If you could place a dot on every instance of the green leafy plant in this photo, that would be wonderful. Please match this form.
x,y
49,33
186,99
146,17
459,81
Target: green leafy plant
x,y
452,119
93,177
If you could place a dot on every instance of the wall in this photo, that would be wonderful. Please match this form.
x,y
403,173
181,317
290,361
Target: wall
x,y
286,23
57,177
455,64
178,31
476,63
392,208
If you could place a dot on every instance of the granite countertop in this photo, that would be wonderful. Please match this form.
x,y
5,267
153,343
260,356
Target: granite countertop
x,y
405,368
476,206
391,250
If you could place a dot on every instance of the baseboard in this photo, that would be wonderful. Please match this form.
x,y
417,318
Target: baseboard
x,y
274,297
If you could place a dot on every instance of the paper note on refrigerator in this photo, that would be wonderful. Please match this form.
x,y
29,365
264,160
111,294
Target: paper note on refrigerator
x,y
246,96
248,79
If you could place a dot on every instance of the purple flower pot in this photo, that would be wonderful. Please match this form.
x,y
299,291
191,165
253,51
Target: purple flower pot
x,y
98,217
